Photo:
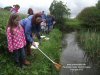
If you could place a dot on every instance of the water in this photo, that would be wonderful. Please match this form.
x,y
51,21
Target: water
x,y
74,59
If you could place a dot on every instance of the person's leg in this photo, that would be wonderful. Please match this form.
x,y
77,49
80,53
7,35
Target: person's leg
x,y
16,57
48,29
28,49
23,57
39,37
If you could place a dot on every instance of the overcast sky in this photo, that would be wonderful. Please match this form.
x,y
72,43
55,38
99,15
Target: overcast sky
x,y
38,5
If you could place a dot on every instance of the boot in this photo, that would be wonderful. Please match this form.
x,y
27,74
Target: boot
x,y
29,51
26,62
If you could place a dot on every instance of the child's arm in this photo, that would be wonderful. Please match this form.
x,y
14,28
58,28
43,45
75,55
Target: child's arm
x,y
9,38
23,22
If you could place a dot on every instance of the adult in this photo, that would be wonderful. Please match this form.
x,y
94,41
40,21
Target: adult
x,y
29,25
36,21
43,15
30,12
49,20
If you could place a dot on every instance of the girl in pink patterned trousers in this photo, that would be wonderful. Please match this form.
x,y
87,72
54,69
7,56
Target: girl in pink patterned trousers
x,y
16,40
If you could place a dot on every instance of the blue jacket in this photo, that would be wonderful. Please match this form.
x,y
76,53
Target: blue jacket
x,y
49,20
26,23
43,16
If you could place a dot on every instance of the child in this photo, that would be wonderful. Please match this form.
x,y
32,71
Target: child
x,y
15,9
43,26
16,40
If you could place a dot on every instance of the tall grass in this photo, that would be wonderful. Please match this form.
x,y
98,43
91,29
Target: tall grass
x,y
4,15
90,42
72,24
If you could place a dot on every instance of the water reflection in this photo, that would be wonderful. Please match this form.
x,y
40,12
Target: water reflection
x,y
74,59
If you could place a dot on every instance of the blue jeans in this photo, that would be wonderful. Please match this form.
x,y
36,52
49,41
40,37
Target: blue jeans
x,y
19,55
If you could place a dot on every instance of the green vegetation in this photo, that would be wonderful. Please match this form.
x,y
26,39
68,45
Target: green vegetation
x,y
72,24
89,35
90,18
3,22
61,13
98,4
90,42
40,65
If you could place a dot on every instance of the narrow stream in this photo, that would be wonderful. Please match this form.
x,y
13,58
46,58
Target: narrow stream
x,y
74,59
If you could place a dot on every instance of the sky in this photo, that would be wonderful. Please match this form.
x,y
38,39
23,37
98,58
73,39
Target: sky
x,y
75,6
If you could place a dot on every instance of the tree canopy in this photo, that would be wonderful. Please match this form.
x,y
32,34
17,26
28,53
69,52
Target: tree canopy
x,y
60,11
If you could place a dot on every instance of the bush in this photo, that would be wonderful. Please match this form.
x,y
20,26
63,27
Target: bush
x,y
4,15
72,24
61,13
90,18
7,8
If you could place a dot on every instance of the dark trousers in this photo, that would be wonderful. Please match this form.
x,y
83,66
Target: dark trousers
x,y
28,49
19,56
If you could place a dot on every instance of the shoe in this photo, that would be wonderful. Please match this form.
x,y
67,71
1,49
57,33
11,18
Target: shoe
x,y
26,62
28,51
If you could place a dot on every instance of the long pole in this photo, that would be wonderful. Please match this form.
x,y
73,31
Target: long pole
x,y
58,66
46,55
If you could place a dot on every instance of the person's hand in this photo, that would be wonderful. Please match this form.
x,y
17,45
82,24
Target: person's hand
x,y
34,44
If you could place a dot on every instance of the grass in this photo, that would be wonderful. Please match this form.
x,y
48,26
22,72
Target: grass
x,y
40,65
90,42
72,24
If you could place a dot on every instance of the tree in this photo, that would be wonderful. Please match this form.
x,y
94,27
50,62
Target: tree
x,y
7,8
60,11
98,5
90,18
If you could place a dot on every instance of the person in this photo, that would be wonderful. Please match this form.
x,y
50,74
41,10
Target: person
x,y
29,28
54,21
43,26
30,12
43,15
49,20
23,23
15,9
36,21
16,40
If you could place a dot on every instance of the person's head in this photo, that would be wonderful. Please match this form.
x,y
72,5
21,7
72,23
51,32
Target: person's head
x,y
42,12
17,6
36,19
13,20
30,11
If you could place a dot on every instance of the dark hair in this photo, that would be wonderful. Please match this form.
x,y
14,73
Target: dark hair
x,y
12,21
17,6
30,11
35,17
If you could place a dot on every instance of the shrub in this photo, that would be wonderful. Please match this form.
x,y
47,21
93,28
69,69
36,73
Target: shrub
x,y
90,18
72,24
